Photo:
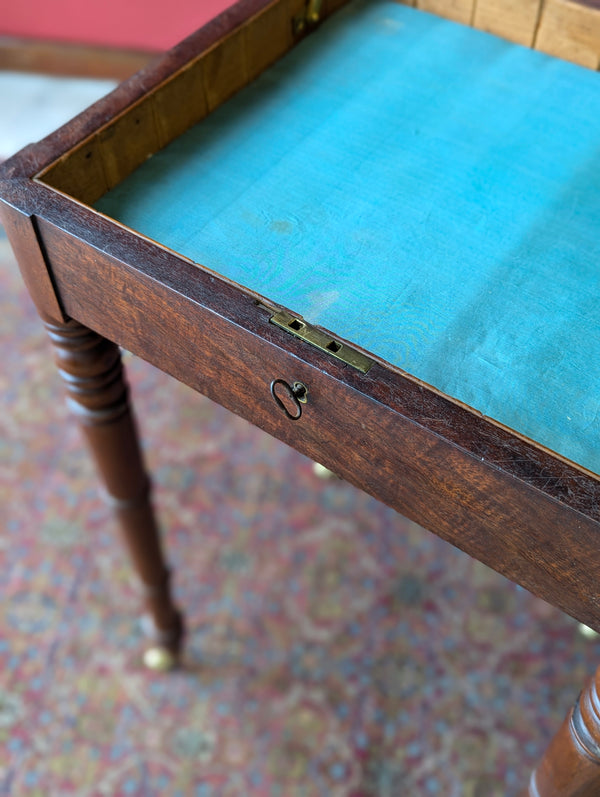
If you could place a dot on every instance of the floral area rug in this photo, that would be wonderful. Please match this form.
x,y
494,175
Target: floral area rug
x,y
335,649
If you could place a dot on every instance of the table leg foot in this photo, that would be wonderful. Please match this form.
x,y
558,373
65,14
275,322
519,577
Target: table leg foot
x,y
571,766
321,472
163,653
98,396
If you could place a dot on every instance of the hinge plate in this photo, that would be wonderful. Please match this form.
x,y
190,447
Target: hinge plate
x,y
309,19
298,327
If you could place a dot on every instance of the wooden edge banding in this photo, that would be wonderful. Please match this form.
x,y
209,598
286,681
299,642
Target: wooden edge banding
x,y
248,45
269,37
179,103
567,28
23,237
573,486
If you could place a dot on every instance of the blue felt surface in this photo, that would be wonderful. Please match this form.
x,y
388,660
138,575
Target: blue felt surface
x,y
420,188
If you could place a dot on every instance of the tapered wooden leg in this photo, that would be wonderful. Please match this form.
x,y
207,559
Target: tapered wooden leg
x,y
98,396
571,766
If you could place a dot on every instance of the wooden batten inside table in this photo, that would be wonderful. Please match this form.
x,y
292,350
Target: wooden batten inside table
x,y
106,158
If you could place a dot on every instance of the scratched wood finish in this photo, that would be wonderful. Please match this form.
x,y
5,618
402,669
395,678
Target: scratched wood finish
x,y
575,489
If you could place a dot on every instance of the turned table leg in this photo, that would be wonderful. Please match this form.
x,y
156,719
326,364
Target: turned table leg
x,y
97,394
571,766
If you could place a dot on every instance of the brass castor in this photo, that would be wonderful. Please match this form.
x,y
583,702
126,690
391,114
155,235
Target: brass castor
x,y
159,659
321,472
587,632
162,656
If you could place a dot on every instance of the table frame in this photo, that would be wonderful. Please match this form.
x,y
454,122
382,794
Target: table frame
x,y
517,507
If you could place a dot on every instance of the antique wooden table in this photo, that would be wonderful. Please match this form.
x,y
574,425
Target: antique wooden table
x,y
382,250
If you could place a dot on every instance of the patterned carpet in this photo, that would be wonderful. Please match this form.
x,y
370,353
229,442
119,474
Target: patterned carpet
x,y
335,649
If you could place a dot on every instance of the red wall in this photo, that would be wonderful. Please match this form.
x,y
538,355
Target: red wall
x,y
129,24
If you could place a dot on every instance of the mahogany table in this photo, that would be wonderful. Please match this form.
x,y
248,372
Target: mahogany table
x,y
375,238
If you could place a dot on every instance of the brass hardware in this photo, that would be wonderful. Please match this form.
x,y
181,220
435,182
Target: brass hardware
x,y
313,12
310,18
321,472
159,659
587,632
341,351
296,393
301,392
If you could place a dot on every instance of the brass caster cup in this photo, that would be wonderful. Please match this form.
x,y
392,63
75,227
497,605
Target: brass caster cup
x,y
161,656
321,472
588,633
159,659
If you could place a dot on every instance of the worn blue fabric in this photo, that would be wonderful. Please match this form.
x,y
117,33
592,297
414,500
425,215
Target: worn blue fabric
x,y
420,188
